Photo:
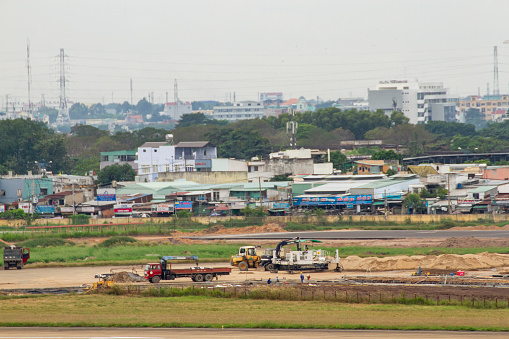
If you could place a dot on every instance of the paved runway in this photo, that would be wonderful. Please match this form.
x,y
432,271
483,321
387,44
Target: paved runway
x,y
141,333
361,235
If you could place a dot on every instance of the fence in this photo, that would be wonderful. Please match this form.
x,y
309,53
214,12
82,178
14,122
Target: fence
x,y
316,293
240,221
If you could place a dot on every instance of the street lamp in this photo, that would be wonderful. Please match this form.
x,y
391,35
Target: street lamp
x,y
43,164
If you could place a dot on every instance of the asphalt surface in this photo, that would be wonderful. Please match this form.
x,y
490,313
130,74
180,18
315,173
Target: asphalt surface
x,y
139,333
359,235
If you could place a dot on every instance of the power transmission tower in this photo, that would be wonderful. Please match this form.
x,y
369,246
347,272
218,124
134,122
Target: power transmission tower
x,y
63,113
496,90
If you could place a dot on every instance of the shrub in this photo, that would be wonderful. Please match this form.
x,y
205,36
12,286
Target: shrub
x,y
45,242
117,241
80,219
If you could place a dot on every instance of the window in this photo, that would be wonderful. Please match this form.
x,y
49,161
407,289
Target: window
x,y
144,150
476,196
44,191
155,150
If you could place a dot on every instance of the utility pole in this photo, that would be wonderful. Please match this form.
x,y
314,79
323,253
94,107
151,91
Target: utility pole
x,y
260,188
131,85
449,193
496,90
176,98
29,77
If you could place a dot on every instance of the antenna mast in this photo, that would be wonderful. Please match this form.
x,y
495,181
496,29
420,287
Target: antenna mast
x,y
29,76
496,90
176,98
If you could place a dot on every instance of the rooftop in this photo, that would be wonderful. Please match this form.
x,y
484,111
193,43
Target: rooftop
x,y
183,144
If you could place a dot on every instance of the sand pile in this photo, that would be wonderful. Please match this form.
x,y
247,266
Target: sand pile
x,y
445,261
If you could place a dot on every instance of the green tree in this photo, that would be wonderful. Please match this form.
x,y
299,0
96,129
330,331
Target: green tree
x,y
144,107
387,155
415,203
52,113
475,117
338,160
27,141
78,111
116,172
281,177
398,118
239,144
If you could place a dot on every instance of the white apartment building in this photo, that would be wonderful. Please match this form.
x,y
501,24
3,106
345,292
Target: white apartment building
x,y
420,102
156,157
174,111
239,111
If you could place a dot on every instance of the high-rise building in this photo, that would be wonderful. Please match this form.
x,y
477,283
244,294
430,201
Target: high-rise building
x,y
240,111
420,102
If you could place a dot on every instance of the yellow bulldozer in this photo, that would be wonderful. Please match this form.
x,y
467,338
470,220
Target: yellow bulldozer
x,y
246,258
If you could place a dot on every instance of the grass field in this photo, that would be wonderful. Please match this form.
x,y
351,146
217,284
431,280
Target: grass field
x,y
195,311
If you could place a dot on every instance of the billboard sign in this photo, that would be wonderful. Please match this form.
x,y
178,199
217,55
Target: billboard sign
x,y
281,205
334,201
123,208
2,208
64,209
206,163
183,205
25,206
106,194
163,208
45,209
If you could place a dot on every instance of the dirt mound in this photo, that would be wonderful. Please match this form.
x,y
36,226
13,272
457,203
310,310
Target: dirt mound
x,y
445,261
215,229
220,229
468,242
126,277
480,228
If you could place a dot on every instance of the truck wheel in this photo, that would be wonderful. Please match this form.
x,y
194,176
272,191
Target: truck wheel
x,y
6,267
198,278
156,279
269,267
243,266
208,277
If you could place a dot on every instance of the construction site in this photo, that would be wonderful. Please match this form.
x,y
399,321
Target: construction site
x,y
482,276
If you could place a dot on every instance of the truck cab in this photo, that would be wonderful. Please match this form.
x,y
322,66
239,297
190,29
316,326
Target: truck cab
x,y
152,270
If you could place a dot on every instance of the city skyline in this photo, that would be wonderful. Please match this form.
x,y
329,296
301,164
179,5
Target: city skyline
x,y
329,49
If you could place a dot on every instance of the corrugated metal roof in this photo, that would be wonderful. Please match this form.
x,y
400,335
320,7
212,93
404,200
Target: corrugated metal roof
x,y
482,189
154,144
192,144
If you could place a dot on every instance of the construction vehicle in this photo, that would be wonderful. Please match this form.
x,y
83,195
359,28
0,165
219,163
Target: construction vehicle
x,y
15,256
155,272
300,260
246,258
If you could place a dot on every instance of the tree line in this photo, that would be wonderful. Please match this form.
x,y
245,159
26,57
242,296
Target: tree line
x,y
78,152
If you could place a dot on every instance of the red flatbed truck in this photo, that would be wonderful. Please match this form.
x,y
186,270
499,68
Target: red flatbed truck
x,y
155,272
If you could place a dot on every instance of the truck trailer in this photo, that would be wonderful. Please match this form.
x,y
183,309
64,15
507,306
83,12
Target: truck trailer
x,y
15,256
155,272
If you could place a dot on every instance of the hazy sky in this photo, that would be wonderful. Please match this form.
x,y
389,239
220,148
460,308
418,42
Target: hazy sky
x,y
329,49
